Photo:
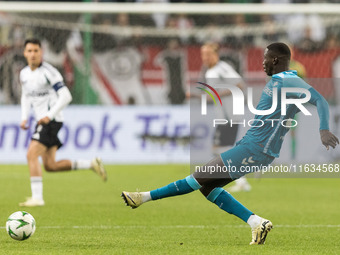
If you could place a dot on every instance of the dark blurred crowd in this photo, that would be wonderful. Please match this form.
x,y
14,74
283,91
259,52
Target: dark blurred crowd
x,y
64,44
306,32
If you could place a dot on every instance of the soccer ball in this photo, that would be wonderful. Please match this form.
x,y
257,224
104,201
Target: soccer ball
x,y
20,225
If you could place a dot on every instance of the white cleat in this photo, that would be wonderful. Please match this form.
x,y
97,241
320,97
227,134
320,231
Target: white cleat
x,y
260,232
132,199
240,187
98,168
32,202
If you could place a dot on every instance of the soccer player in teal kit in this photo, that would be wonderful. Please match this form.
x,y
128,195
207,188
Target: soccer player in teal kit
x,y
259,147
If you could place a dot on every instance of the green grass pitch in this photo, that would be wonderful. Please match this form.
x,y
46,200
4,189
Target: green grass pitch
x,y
85,216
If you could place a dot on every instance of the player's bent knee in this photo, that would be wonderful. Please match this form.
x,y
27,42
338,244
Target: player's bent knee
x,y
206,189
50,167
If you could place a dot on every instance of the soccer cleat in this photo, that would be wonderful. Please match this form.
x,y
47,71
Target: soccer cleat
x,y
32,202
132,199
260,232
98,168
240,187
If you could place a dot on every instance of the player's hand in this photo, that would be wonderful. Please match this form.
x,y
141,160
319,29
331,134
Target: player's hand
x,y
23,125
328,139
44,121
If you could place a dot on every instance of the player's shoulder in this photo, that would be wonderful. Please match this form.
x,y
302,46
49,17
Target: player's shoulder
x,y
224,64
48,68
291,79
24,72
227,68
286,75
25,69
47,65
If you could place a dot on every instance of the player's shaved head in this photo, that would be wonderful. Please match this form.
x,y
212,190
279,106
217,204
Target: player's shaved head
x,y
279,50
276,58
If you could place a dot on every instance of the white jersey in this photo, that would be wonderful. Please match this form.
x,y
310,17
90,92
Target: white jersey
x,y
39,91
223,73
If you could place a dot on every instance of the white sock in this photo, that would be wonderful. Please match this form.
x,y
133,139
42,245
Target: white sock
x,y
146,196
254,220
81,164
37,187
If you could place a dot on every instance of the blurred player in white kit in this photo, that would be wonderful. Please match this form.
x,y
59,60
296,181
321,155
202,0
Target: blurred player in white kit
x,y
43,89
220,72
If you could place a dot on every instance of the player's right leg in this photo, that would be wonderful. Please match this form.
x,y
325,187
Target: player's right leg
x,y
51,165
35,150
48,135
180,187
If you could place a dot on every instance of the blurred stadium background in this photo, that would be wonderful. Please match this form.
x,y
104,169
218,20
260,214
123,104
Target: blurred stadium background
x,y
128,66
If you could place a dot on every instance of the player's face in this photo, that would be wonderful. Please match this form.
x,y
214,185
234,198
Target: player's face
x,y
268,63
208,56
33,54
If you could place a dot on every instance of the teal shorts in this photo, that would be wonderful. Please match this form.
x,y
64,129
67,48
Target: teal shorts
x,y
244,158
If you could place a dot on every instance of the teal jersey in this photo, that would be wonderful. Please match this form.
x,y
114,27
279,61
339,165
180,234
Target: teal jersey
x,y
267,132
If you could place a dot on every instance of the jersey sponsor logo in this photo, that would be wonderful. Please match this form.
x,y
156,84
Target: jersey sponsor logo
x,y
38,94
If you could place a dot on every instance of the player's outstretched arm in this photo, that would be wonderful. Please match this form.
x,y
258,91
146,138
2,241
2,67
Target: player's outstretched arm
x,y
328,139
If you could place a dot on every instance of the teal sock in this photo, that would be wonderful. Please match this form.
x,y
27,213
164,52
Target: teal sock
x,y
176,188
228,203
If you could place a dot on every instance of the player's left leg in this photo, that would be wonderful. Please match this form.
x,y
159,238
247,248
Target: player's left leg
x,y
51,165
211,188
35,150
225,201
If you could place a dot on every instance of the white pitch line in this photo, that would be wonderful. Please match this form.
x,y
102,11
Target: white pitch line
x,y
181,226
